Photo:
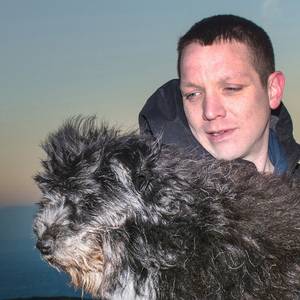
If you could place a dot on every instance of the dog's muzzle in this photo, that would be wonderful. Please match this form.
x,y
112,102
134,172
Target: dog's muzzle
x,y
45,245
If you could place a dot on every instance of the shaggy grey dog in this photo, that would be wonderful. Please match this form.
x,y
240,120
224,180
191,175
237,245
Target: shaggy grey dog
x,y
129,218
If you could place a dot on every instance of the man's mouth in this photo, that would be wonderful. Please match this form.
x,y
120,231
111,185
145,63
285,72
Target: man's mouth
x,y
217,133
220,135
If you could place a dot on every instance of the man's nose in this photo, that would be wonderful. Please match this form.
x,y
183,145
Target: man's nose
x,y
213,107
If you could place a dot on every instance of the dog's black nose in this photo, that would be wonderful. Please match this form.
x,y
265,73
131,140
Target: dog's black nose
x,y
45,246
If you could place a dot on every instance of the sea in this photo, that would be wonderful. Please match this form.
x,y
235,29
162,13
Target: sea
x,y
23,274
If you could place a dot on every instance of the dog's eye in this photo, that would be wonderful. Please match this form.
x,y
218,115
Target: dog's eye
x,y
74,226
71,200
44,202
68,202
71,207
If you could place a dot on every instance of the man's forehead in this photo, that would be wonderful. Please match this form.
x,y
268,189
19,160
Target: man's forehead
x,y
225,63
226,74
227,47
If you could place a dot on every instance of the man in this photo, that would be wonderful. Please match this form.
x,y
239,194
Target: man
x,y
223,100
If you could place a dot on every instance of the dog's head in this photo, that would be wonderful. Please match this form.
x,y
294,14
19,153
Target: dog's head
x,y
93,181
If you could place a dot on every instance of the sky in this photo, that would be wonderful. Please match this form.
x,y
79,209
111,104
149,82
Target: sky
x,y
62,58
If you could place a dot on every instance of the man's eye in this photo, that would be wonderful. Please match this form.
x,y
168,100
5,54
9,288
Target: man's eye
x,y
191,96
233,88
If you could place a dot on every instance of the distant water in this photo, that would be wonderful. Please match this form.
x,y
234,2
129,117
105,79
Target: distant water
x,y
22,272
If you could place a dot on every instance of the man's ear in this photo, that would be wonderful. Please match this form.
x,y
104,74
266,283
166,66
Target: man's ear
x,y
276,83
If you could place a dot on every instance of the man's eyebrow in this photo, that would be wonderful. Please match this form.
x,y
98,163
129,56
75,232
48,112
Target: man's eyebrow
x,y
189,84
224,79
234,77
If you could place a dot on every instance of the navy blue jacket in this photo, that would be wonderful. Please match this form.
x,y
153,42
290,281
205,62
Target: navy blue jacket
x,y
163,116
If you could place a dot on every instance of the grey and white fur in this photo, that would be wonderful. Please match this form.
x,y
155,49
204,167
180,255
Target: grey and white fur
x,y
129,218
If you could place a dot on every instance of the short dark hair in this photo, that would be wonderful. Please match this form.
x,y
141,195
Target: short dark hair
x,y
227,28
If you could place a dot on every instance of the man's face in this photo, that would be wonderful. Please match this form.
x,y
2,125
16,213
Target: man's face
x,y
227,108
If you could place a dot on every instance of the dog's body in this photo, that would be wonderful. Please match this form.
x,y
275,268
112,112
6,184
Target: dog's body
x,y
129,218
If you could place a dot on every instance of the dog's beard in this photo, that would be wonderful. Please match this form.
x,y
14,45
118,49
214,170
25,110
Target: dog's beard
x,y
83,264
86,272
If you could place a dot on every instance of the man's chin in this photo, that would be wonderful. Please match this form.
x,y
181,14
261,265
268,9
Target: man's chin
x,y
226,155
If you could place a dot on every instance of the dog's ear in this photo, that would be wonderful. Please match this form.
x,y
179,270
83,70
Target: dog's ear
x,y
142,183
149,153
136,156
72,155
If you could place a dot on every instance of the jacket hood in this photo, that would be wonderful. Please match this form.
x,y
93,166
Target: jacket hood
x,y
163,116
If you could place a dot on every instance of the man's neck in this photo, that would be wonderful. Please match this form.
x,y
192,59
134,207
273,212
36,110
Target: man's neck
x,y
263,164
268,167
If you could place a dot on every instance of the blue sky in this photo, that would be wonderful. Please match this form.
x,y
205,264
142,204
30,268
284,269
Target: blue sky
x,y
59,58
